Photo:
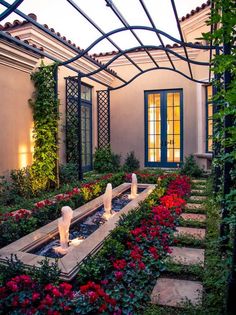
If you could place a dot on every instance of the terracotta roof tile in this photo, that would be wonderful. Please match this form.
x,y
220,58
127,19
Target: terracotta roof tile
x,y
198,9
112,53
25,41
17,23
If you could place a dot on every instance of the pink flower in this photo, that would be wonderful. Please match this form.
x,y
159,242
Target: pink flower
x,y
119,275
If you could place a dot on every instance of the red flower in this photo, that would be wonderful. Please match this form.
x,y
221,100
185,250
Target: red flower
x,y
102,308
141,265
153,252
12,285
35,296
93,296
48,300
132,265
136,253
48,287
119,264
119,275
56,292
65,288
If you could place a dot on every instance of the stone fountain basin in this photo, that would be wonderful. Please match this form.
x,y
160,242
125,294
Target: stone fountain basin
x,y
69,263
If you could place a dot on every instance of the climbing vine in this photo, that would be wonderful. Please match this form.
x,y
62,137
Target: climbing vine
x,y
224,16
45,116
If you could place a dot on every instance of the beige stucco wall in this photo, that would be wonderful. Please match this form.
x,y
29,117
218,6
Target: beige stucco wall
x,y
127,111
15,119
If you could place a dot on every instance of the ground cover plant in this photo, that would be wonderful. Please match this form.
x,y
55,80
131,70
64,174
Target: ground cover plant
x,y
119,278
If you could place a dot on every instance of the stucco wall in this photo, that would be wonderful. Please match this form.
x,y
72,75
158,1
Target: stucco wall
x,y
16,150
127,112
15,119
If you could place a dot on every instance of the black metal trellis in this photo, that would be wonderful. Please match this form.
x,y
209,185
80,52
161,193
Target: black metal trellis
x,y
73,122
103,115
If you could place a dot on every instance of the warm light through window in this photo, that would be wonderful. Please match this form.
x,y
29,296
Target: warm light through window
x,y
23,156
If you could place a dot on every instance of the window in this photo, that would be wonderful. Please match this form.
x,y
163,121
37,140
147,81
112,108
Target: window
x,y
209,120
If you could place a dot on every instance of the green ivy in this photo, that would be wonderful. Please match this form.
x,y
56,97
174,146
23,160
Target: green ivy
x,y
46,116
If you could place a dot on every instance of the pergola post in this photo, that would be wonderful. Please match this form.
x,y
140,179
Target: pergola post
x,y
79,126
216,144
55,75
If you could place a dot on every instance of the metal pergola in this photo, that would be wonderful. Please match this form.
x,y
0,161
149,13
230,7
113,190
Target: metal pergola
x,y
103,96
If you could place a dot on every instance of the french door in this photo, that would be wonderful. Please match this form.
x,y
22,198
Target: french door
x,y
163,128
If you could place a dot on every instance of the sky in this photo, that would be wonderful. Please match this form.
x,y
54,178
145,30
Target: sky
x,y
60,15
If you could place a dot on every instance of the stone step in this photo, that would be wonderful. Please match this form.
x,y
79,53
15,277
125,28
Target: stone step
x,y
187,231
197,198
187,256
172,292
197,191
193,206
193,217
201,187
199,181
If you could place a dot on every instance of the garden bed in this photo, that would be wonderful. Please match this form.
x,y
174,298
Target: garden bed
x,y
119,278
69,264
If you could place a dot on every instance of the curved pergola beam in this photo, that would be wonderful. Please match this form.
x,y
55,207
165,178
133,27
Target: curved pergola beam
x,y
161,68
118,55
147,28
10,9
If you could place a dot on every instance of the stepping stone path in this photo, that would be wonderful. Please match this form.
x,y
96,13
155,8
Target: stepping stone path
x,y
193,217
173,291
197,198
188,231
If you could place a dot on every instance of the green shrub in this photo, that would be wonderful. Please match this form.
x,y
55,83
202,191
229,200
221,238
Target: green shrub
x,y
131,162
68,173
22,182
191,168
8,194
106,161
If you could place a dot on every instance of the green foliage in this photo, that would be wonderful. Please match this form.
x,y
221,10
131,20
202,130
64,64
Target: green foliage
x,y
8,195
106,161
22,182
131,163
47,272
13,267
191,168
68,173
45,115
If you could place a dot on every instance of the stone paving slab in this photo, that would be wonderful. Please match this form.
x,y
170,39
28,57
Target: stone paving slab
x,y
198,198
193,217
193,205
197,191
172,292
196,181
187,256
194,232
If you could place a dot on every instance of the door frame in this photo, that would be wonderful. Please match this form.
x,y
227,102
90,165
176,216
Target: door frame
x,y
162,93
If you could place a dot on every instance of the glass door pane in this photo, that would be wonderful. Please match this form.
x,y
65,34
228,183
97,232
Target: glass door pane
x,y
154,127
173,127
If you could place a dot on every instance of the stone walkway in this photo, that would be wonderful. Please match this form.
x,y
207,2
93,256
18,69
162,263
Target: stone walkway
x,y
173,291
